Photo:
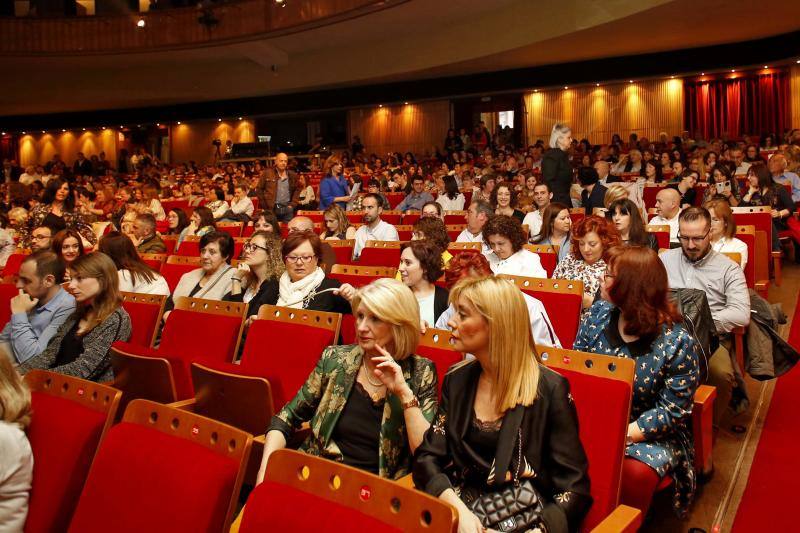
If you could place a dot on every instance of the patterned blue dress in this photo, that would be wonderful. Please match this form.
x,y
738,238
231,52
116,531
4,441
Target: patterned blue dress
x,y
667,374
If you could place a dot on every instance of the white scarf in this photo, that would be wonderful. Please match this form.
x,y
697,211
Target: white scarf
x,y
295,294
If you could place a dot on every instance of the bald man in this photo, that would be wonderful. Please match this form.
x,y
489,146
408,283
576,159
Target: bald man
x,y
328,258
277,189
668,207
777,167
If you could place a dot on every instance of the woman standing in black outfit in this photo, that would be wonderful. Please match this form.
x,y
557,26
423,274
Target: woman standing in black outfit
x,y
556,168
503,418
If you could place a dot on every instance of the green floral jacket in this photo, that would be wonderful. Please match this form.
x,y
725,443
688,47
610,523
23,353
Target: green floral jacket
x,y
323,396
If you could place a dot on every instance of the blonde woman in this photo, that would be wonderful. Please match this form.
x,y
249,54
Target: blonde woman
x,y
16,459
258,272
80,346
337,225
376,387
503,417
151,204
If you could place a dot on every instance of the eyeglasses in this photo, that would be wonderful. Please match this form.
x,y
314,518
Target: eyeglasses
x,y
252,247
299,258
695,240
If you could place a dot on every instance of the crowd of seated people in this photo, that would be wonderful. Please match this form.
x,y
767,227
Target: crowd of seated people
x,y
87,228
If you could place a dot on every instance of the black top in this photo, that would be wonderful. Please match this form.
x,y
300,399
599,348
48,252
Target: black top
x,y
594,199
55,222
483,436
557,173
686,198
441,301
269,292
357,428
650,241
71,346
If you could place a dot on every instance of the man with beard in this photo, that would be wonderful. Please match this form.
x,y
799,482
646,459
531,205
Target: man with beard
x,y
696,266
374,229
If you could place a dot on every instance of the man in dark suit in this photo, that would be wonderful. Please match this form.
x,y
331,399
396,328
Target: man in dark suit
x,y
277,189
594,192
11,171
82,166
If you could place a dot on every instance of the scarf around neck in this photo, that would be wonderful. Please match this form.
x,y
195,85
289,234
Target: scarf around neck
x,y
296,294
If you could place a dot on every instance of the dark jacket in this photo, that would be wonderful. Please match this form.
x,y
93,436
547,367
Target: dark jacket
x,y
557,173
152,245
270,290
267,188
594,199
768,356
440,302
82,168
553,454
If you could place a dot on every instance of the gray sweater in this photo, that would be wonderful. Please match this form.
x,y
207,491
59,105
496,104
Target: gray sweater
x,y
94,363
722,280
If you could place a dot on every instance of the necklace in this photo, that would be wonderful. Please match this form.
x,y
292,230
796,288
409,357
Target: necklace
x,y
366,375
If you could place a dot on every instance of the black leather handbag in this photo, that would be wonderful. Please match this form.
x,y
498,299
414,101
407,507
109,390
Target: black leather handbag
x,y
516,506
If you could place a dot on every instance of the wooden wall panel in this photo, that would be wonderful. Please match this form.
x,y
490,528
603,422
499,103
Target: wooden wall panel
x,y
192,142
794,95
415,127
38,149
645,107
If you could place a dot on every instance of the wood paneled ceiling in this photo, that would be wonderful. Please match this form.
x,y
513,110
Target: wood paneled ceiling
x,y
415,40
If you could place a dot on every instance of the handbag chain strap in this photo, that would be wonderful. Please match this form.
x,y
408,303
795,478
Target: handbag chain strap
x,y
519,456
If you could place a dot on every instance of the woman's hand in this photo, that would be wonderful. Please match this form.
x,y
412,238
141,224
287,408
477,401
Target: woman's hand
x,y
588,300
469,523
242,271
346,291
726,193
391,375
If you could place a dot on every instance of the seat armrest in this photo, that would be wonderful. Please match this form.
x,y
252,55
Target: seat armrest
x,y
406,481
186,405
703,428
623,519
776,263
762,288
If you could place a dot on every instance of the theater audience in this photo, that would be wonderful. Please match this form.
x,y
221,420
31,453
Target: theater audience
x,y
200,223
506,238
556,168
432,210
80,346
337,226
503,417
57,211
151,204
369,404
525,194
434,230
556,229
668,207
41,306
68,245
334,187
592,237
215,201
420,266
763,191
723,186
628,221
373,229
723,230
486,187
277,189
134,274
636,320
241,208
266,221
212,281
452,199
541,199
176,221
594,193
417,197
697,266
778,168
16,459
258,272
478,213
685,187
41,239
144,236
471,264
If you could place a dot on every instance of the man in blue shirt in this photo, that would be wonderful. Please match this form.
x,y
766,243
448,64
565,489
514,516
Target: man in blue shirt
x,y
777,167
40,307
417,197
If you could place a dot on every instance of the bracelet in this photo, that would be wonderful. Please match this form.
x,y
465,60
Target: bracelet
x,y
414,402
236,279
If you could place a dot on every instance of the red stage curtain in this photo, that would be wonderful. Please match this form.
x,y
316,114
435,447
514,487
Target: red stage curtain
x,y
9,148
748,104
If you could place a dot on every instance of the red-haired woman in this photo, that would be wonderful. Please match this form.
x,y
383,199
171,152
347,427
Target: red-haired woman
x,y
636,320
592,237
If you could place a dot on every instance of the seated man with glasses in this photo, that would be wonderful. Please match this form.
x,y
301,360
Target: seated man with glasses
x,y
42,238
696,265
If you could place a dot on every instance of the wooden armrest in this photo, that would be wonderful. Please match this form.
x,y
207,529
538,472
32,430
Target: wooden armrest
x,y
623,519
704,396
261,439
406,481
186,405
762,288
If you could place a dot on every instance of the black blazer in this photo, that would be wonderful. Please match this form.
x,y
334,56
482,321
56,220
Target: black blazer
x,y
557,173
269,291
440,302
553,454
595,199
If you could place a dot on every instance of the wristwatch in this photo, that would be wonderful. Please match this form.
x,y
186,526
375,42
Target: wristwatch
x,y
411,403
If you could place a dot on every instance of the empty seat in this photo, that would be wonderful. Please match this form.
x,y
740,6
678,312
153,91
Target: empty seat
x,y
435,345
145,311
380,253
176,266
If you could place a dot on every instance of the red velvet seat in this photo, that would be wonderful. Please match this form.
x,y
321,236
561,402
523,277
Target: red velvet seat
x,y
435,345
404,232
234,229
360,275
661,233
380,253
145,311
342,499
576,214
601,388
70,417
13,263
392,217
562,299
649,194
190,247
410,219
548,255
454,230
455,217
171,242
457,247
163,469
394,198
176,266
315,216
7,291
343,250
154,261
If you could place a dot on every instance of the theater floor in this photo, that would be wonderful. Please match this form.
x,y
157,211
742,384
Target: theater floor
x,y
717,500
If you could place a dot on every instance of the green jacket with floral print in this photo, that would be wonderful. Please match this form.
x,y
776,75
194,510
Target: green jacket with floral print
x,y
323,396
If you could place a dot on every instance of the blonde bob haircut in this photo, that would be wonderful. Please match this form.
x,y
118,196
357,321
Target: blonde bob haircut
x,y
391,301
514,364
15,398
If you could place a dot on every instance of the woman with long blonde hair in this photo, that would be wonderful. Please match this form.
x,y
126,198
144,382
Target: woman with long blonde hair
x,y
337,226
16,459
503,418
81,344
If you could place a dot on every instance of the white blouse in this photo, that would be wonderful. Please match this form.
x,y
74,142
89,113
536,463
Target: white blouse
x,y
521,263
733,245
16,474
456,204
157,286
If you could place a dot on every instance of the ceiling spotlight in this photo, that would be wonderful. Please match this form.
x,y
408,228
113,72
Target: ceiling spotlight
x,y
380,105
140,23
630,81
405,103
84,129
179,123
2,133
702,73
158,125
104,128
733,70
63,131
23,133
766,66
43,131
536,90
672,77
219,120
597,85
565,87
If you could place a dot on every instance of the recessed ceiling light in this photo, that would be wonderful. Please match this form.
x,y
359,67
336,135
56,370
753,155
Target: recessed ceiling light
x,y
240,118
406,103
630,81
63,131
158,125
43,131
565,87
2,133
84,129
380,105
219,120
140,23
733,70
179,123
597,85
766,66
23,133
702,73
536,90
672,77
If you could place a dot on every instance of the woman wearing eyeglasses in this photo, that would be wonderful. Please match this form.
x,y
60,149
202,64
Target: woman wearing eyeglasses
x,y
258,272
